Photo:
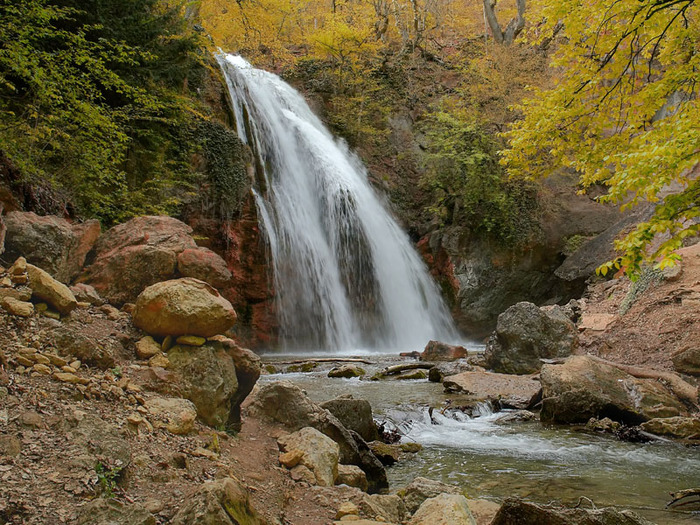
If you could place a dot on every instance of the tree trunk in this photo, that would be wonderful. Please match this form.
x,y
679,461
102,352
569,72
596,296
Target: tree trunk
x,y
514,27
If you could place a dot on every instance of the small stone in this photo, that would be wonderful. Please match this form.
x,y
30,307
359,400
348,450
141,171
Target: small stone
x,y
347,509
352,476
291,459
68,377
191,340
56,360
9,445
19,267
17,307
167,343
128,308
83,304
31,419
133,388
68,369
42,369
75,364
41,359
6,282
41,307
200,452
159,360
19,279
24,361
147,347
52,315
302,473
347,371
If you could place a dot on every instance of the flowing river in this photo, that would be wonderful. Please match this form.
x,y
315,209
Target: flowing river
x,y
492,458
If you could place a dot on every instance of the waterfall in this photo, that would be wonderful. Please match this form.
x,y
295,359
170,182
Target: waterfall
x,y
346,277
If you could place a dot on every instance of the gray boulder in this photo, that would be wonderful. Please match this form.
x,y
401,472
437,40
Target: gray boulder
x,y
354,414
525,334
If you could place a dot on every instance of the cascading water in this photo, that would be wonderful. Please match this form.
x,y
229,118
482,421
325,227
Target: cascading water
x,y
346,277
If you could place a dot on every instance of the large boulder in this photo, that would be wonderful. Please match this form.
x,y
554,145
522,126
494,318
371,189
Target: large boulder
x,y
50,242
205,265
175,414
46,288
221,502
319,453
582,388
354,414
511,390
525,334
687,361
183,307
445,509
437,351
137,254
287,404
93,441
207,377
515,511
70,342
421,489
674,427
385,507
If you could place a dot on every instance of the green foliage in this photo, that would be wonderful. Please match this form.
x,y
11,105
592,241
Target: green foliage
x,y
95,101
624,113
107,478
470,188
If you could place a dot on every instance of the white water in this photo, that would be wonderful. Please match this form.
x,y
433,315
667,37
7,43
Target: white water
x,y
346,277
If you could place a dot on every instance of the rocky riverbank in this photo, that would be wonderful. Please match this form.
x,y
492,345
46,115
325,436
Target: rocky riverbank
x,y
125,398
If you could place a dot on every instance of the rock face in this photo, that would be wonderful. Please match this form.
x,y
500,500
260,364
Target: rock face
x,y
93,440
512,390
583,388
384,507
320,453
445,509
50,242
354,414
176,415
71,343
524,334
46,288
183,307
286,403
222,502
205,265
437,351
421,489
207,377
352,476
688,361
515,511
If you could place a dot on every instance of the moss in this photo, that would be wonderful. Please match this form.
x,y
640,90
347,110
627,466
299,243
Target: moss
x,y
648,278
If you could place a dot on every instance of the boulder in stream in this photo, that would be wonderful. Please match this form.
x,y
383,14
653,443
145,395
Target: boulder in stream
x,y
444,509
355,414
437,351
512,391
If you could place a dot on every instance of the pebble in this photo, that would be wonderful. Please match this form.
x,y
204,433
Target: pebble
x,y
42,369
191,340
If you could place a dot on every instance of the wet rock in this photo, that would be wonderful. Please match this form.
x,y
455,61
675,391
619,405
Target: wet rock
x,y
384,507
421,489
354,414
136,254
207,377
606,425
50,242
674,427
112,512
99,353
183,307
583,388
19,308
516,511
445,509
221,502
513,391
442,370
46,288
205,265
437,351
287,404
346,371
174,414
687,361
525,334
386,453
320,453
352,476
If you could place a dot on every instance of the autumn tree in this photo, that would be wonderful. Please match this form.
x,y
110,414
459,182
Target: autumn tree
x,y
624,113
514,27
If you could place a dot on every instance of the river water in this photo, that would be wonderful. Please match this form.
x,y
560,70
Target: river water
x,y
492,459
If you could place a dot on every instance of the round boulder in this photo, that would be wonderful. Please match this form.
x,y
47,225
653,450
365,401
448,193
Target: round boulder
x,y
183,307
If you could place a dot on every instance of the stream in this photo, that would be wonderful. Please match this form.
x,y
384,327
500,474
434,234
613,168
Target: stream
x,y
492,457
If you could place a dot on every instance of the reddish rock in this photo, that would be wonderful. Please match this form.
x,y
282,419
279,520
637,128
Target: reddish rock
x,y
205,265
437,351
134,255
183,307
49,242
